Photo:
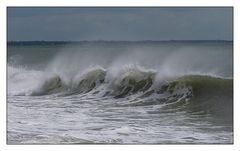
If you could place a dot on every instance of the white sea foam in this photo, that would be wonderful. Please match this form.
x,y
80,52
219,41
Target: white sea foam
x,y
121,93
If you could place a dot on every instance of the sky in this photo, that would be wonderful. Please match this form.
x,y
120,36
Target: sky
x,y
118,24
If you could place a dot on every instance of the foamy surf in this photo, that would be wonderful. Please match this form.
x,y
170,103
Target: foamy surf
x,y
87,95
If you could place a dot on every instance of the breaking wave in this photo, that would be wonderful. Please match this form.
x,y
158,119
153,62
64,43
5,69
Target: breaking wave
x,y
173,91
140,86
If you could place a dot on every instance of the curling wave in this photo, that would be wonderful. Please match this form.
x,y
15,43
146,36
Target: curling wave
x,y
140,86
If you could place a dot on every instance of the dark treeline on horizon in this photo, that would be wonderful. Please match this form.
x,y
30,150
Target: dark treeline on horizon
x,y
104,41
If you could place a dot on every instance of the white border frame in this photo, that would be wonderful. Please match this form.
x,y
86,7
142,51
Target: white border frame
x,y
3,49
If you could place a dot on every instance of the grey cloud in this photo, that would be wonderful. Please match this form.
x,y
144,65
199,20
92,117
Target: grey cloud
x,y
122,24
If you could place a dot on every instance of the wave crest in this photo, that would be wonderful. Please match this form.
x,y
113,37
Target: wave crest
x,y
201,89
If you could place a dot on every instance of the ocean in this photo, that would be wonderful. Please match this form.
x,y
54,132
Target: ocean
x,y
110,92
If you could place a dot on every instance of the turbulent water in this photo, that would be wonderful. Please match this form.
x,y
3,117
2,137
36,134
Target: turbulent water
x,y
120,92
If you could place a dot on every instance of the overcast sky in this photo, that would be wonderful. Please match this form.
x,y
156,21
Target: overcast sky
x,y
66,24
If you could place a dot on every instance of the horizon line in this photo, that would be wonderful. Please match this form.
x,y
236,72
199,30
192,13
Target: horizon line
x,y
110,40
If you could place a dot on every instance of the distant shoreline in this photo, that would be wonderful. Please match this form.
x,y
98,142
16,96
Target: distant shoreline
x,y
103,41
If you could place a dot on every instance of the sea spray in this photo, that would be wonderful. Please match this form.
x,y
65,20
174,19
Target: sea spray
x,y
120,92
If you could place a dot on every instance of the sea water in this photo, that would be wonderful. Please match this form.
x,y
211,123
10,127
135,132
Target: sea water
x,y
101,92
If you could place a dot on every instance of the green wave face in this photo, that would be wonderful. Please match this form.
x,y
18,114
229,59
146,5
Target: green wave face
x,y
50,86
91,79
209,94
133,82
